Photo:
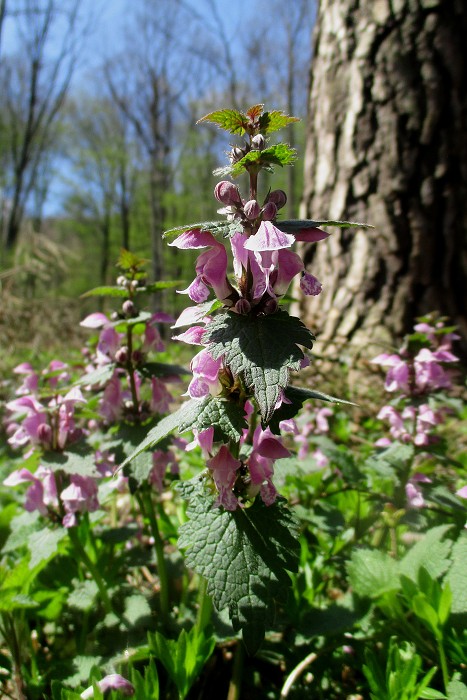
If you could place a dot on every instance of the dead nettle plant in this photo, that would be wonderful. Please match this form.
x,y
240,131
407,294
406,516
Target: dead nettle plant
x,y
241,537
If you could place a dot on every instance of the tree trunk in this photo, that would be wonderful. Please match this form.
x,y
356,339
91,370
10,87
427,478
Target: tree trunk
x,y
387,145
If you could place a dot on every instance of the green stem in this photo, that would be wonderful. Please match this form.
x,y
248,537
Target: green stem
x,y
131,370
237,673
92,568
444,664
203,617
147,508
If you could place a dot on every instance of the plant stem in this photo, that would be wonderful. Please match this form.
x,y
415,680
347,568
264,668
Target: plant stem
x,y
444,664
237,673
204,605
147,508
92,568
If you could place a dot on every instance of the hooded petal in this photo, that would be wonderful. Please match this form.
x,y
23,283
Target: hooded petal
x,y
269,237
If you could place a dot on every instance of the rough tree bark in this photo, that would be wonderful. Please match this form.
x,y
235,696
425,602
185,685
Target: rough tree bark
x,y
387,145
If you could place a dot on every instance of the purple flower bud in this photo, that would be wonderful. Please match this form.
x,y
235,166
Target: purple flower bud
x,y
269,211
270,307
258,142
128,308
137,357
227,193
44,434
278,197
252,209
236,154
121,356
242,306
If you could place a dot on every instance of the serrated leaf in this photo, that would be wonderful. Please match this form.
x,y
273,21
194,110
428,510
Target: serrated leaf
x,y
102,375
457,577
78,459
217,228
137,609
294,225
161,430
226,416
228,119
155,286
43,545
297,397
372,573
83,596
432,553
244,555
129,261
275,120
262,349
255,111
106,292
161,369
147,688
457,690
279,154
123,323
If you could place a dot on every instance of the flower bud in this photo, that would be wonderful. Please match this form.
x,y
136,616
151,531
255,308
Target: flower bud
x,y
278,197
128,308
134,284
114,316
121,280
258,142
137,357
269,211
252,209
227,193
44,434
242,306
121,356
270,307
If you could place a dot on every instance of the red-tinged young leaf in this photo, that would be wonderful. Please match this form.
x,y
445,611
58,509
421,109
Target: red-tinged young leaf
x,y
228,119
129,261
273,121
255,111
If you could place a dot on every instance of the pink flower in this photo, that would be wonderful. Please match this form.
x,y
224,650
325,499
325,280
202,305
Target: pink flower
x,y
203,439
205,375
113,681
43,490
462,492
111,404
310,285
31,379
268,238
397,378
160,397
413,492
224,471
79,497
161,460
211,266
266,449
320,458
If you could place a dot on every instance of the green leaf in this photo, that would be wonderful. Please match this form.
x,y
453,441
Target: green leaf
x,y
244,555
184,657
160,369
279,154
43,545
99,376
275,120
226,416
297,397
106,292
456,576
217,228
228,119
129,261
263,349
432,553
146,688
457,690
137,609
155,286
78,459
162,429
83,596
372,573
295,225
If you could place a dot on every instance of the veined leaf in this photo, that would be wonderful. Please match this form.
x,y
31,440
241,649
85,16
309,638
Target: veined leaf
x,y
129,261
99,376
295,225
106,292
228,119
217,228
163,284
279,154
160,369
78,459
262,349
297,397
255,111
244,555
272,121
227,418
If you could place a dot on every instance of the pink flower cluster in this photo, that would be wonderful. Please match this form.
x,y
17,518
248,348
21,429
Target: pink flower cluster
x,y
111,348
254,466
311,422
264,266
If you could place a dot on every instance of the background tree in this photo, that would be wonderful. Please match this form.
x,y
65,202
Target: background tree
x,y
387,145
34,83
